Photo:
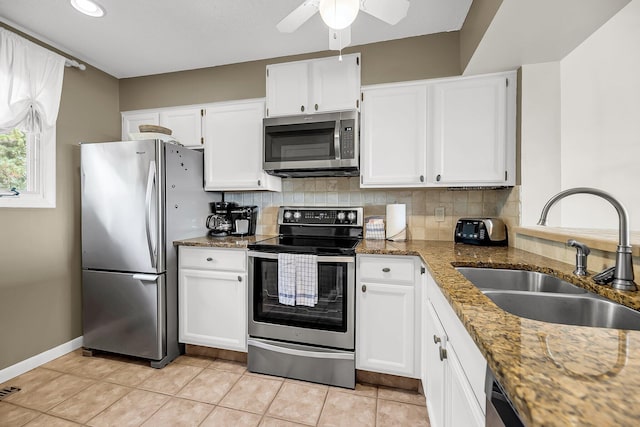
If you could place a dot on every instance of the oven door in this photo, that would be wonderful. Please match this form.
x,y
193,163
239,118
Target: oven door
x,y
330,323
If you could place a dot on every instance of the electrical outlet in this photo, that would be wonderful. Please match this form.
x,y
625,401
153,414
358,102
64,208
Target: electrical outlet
x,y
440,214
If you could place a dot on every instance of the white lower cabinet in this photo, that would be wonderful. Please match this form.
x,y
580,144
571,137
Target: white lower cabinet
x,y
454,369
388,323
212,297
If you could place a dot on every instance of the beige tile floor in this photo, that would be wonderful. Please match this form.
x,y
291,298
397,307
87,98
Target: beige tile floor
x,y
193,391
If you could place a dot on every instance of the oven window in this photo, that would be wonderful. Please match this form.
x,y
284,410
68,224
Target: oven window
x,y
330,314
309,141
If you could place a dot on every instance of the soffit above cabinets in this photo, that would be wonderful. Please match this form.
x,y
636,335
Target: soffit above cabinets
x,y
144,37
531,32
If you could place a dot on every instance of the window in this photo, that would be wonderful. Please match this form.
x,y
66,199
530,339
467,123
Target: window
x,y
30,89
27,175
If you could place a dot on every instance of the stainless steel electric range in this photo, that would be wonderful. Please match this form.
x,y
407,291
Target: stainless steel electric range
x,y
313,342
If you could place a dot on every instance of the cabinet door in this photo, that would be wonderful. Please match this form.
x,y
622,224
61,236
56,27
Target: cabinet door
x,y
435,368
385,328
186,125
212,309
287,89
463,408
335,84
233,148
394,136
469,131
131,121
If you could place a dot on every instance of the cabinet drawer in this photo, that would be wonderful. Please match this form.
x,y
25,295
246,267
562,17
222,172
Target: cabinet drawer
x,y
213,259
387,268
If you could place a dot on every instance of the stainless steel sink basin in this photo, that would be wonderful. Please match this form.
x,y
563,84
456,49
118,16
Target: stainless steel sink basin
x,y
580,310
517,280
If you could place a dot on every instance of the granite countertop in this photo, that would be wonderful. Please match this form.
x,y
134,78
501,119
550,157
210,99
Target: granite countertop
x,y
221,242
556,375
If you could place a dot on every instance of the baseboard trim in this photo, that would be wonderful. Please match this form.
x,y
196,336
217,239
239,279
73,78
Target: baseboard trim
x,y
39,359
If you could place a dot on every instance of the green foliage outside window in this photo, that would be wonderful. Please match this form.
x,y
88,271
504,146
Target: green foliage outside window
x,y
13,160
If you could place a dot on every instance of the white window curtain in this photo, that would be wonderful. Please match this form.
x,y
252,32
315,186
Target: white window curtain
x,y
30,84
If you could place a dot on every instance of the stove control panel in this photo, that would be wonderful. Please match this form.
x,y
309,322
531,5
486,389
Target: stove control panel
x,y
320,216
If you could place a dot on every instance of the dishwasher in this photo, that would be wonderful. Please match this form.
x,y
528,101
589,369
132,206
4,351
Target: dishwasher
x,y
500,411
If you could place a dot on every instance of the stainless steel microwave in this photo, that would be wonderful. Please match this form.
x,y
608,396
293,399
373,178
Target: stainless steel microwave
x,y
312,145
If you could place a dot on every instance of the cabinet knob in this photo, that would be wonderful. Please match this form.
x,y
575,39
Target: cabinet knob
x,y
259,183
421,178
209,259
443,353
364,288
436,339
239,278
386,269
438,177
316,106
302,108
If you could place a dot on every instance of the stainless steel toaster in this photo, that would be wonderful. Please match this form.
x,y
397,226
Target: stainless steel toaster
x,y
481,231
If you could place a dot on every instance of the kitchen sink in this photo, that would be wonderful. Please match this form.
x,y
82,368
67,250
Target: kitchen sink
x,y
568,309
517,280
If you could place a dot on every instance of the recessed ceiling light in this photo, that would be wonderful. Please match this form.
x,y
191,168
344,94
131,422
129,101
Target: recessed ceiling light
x,y
88,7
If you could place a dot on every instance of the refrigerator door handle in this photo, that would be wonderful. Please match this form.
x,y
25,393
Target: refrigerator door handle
x,y
147,203
146,277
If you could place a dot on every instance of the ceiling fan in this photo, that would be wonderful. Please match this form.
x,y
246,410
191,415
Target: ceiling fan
x,y
339,14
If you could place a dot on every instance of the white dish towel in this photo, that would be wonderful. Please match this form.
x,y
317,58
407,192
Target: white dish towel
x,y
286,279
306,280
297,279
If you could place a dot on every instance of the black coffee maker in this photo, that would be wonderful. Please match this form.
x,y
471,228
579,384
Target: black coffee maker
x,y
220,222
244,220
228,218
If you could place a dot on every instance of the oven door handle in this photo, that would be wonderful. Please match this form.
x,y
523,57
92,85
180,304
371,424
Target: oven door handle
x,y
304,353
321,258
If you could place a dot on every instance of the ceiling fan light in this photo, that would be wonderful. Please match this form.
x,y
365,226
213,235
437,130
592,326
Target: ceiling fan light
x,y
88,8
339,14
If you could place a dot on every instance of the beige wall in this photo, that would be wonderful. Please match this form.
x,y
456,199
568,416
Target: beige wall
x,y
414,58
40,304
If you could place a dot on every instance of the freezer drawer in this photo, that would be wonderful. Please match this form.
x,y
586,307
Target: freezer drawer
x,y
124,313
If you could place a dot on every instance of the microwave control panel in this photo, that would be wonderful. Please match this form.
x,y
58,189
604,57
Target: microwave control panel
x,y
347,139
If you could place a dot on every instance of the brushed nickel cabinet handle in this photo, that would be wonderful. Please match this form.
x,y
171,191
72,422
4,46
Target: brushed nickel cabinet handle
x,y
386,269
438,177
302,108
436,339
316,107
364,288
209,259
443,353
239,278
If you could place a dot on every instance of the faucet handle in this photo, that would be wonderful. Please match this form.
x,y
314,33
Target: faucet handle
x,y
582,251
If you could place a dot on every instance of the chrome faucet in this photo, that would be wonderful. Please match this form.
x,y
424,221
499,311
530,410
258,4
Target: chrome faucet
x,y
623,273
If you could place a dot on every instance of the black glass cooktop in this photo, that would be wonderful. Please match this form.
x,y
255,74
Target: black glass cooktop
x,y
308,245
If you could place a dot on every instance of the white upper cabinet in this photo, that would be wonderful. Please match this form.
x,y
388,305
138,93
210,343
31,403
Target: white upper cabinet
x,y
184,122
393,136
472,131
233,147
313,86
132,119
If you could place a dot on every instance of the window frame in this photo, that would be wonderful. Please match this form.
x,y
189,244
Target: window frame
x,y
41,173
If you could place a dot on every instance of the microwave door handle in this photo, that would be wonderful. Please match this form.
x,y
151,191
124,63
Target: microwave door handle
x,y
336,139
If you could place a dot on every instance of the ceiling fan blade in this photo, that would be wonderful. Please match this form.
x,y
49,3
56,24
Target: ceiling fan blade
x,y
389,11
299,16
339,39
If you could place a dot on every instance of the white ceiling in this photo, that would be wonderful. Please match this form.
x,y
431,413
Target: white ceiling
x,y
144,37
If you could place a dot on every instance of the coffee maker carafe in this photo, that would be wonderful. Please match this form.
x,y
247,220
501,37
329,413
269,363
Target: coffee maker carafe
x,y
220,221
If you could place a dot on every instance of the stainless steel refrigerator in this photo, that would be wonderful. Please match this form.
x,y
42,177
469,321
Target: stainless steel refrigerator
x,y
137,198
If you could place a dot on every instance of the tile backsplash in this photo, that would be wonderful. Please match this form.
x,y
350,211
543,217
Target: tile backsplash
x,y
421,203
